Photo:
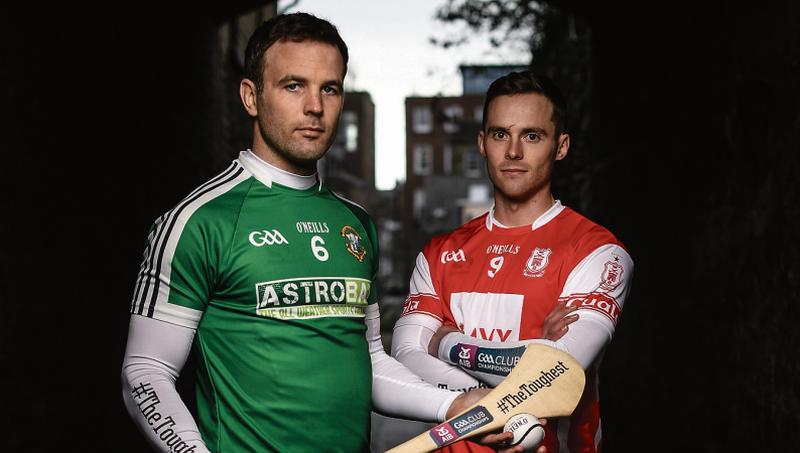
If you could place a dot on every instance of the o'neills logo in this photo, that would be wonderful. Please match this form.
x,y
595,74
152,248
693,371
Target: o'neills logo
x,y
530,388
312,227
537,262
499,249
599,302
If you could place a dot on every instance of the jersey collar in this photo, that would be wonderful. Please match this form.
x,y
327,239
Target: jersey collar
x,y
267,173
542,220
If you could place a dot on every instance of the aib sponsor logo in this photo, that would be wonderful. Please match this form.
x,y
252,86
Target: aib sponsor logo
x,y
460,426
452,256
466,355
266,237
442,434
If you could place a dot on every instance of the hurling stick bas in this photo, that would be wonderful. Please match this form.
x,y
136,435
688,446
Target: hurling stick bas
x,y
546,382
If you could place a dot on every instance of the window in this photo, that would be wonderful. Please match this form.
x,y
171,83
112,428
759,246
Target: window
x,y
478,193
350,120
439,212
423,159
478,114
418,203
472,163
453,115
422,119
447,160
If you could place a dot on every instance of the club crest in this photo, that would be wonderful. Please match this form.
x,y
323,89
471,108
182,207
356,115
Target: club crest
x,y
354,245
537,262
612,274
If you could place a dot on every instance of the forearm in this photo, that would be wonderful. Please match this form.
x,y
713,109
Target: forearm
x,y
410,346
491,361
396,390
155,353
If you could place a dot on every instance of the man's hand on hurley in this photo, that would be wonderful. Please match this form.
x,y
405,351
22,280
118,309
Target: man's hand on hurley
x,y
555,326
497,440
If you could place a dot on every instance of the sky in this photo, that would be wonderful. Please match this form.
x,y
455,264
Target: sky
x,y
392,58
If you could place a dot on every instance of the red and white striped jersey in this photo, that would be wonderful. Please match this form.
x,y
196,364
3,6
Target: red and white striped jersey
x,y
499,284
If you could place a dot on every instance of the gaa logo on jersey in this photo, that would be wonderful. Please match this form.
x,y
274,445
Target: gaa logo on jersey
x,y
537,263
265,237
354,245
454,256
612,274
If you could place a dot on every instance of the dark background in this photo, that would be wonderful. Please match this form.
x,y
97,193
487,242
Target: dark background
x,y
695,132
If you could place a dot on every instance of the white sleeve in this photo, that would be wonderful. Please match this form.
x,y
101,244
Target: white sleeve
x,y
598,285
396,391
412,333
155,354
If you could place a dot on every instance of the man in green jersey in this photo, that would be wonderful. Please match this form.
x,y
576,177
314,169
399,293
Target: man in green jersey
x,y
271,276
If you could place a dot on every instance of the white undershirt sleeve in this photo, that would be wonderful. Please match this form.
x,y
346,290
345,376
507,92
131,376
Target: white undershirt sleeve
x,y
396,391
412,333
584,340
155,354
586,337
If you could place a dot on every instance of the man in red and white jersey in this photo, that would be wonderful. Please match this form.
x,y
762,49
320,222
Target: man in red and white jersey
x,y
530,270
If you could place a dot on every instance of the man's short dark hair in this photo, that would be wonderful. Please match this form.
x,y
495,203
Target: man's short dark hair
x,y
295,27
524,82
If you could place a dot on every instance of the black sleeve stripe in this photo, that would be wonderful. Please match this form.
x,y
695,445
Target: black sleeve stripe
x,y
156,235
151,305
157,246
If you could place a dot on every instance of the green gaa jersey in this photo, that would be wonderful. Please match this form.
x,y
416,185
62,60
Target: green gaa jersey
x,y
275,281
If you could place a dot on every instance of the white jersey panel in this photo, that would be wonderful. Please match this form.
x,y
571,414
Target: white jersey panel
x,y
501,312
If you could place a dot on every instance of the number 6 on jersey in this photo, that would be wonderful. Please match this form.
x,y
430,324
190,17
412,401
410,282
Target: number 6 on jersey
x,y
320,252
